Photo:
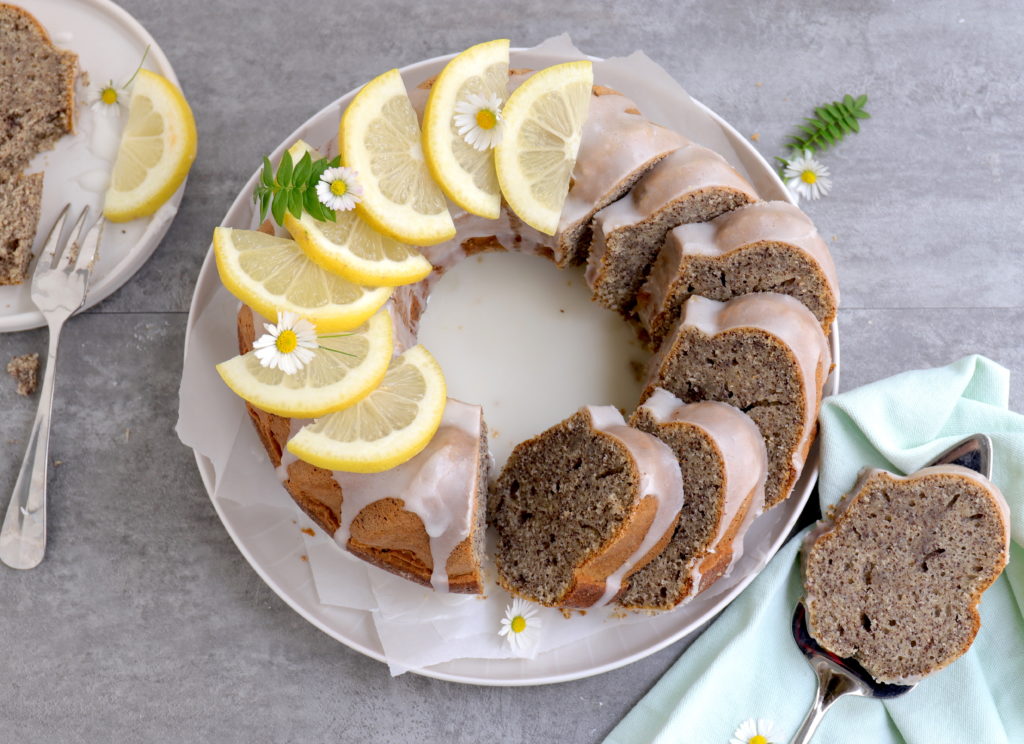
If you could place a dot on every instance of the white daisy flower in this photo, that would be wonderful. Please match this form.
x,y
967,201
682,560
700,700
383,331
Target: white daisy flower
x,y
287,346
753,731
806,177
111,101
520,626
478,121
339,189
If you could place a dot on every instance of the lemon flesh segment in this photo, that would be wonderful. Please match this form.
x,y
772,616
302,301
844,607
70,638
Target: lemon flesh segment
x,y
350,247
271,274
156,151
544,120
386,428
465,174
344,370
379,137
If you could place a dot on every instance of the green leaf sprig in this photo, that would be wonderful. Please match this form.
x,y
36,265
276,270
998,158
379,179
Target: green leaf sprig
x,y
293,188
831,122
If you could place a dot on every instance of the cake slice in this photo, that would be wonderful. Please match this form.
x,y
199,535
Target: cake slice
x,y
693,184
762,353
37,88
617,147
20,199
580,507
893,579
763,247
724,464
423,520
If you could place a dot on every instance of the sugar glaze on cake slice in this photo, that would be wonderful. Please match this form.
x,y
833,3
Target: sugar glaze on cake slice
x,y
724,464
894,575
581,506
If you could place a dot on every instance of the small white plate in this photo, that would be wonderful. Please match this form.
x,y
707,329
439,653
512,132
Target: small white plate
x,y
268,536
109,44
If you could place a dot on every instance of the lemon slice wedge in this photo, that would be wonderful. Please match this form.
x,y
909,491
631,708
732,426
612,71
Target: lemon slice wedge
x,y
350,247
271,274
386,428
464,173
543,120
157,148
380,138
344,369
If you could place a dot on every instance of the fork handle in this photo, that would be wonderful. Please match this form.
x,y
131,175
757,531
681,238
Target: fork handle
x,y
23,535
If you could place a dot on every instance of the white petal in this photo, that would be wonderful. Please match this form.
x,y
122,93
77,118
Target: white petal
x,y
765,726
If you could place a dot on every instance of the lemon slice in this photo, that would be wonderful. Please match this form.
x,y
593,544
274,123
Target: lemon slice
x,y
543,120
272,274
157,148
380,138
344,370
386,428
464,173
350,247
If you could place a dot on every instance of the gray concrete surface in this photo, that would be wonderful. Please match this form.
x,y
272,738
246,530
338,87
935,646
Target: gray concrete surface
x,y
146,624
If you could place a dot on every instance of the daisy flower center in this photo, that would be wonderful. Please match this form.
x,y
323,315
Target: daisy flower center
x,y
759,739
339,187
287,341
808,176
108,96
486,119
518,624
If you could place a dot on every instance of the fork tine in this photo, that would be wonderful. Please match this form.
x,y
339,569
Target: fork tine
x,y
89,249
53,239
73,247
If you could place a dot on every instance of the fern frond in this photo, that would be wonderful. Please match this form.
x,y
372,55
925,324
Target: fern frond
x,y
831,123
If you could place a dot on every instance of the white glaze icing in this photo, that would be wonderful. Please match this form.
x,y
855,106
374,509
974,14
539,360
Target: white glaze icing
x,y
744,458
439,485
688,170
776,221
659,477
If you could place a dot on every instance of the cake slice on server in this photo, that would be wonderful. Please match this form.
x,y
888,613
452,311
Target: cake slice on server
x,y
762,247
724,464
581,507
894,575
693,184
763,353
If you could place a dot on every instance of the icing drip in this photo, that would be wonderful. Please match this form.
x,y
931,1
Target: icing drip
x,y
659,478
438,485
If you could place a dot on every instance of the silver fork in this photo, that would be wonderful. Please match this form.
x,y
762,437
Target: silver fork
x,y
59,286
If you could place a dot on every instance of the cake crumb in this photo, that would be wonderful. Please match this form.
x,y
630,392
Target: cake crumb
x,y
835,238
756,136
57,463
758,85
127,434
307,531
25,371
304,557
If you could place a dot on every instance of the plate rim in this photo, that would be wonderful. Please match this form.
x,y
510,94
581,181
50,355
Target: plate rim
x,y
136,257
438,671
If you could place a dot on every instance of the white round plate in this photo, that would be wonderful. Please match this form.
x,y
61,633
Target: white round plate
x,y
274,549
109,44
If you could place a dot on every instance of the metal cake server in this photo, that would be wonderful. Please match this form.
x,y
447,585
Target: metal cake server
x,y
838,676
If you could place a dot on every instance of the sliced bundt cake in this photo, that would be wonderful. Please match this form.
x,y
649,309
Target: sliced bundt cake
x,y
762,247
617,147
423,520
894,578
724,464
762,353
693,184
580,507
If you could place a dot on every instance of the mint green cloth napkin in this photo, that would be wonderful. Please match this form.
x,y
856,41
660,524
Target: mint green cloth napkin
x,y
746,664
